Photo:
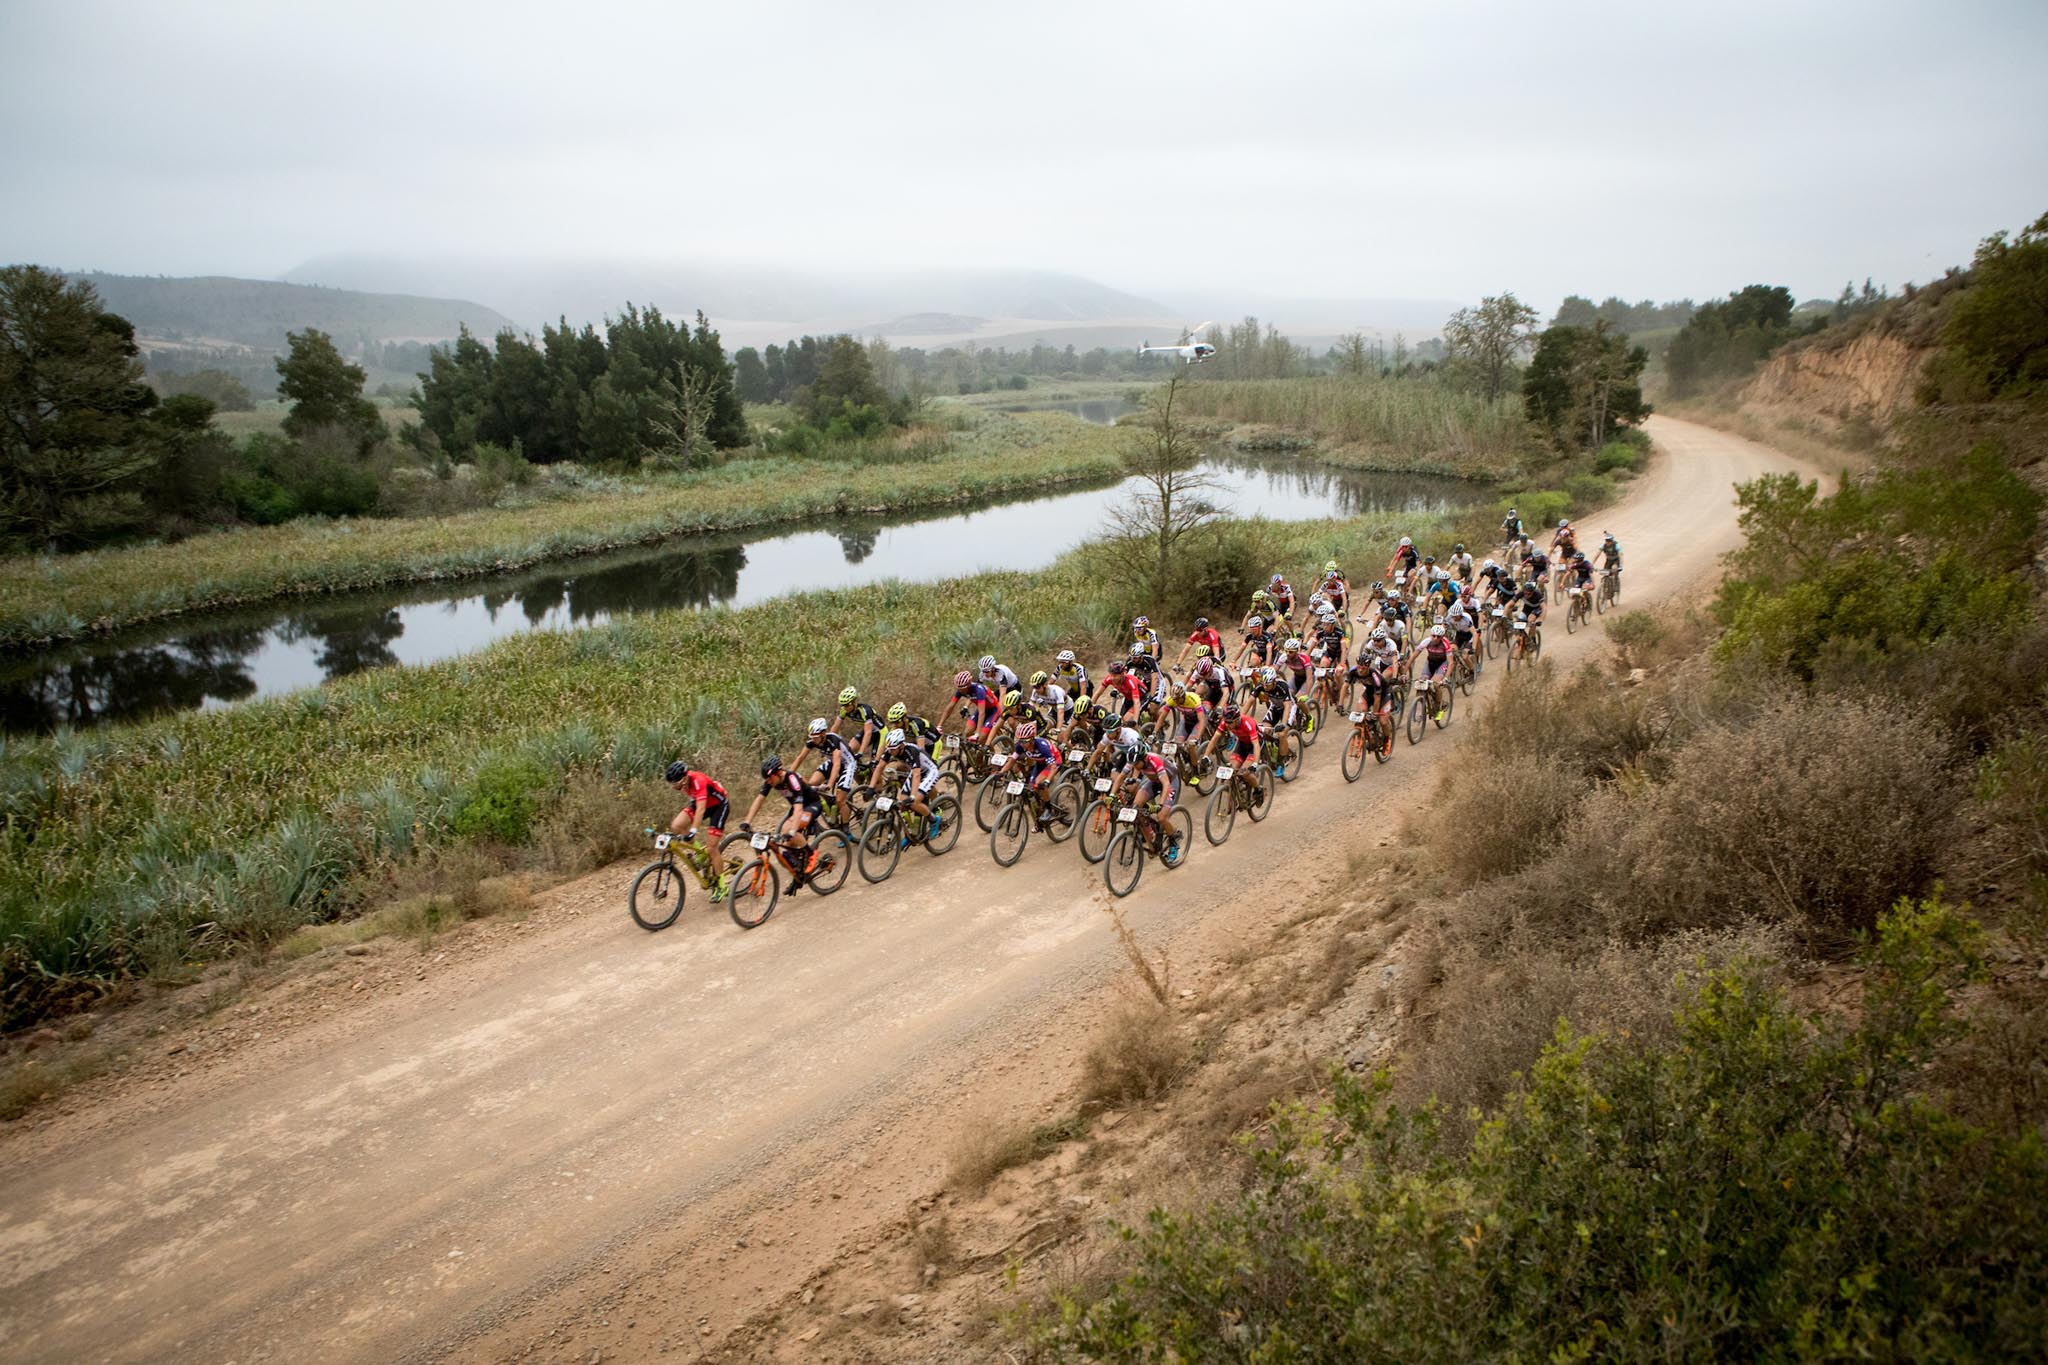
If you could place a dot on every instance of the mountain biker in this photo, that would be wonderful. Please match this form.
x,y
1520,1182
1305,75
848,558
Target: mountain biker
x,y
1182,718
920,731
1156,777
702,821
1120,684
1203,634
1336,592
1145,668
1271,689
1069,672
1437,653
921,775
1373,676
1529,598
1511,527
1041,758
1461,563
1018,712
1566,542
1538,566
1405,558
805,807
1610,556
1581,574
997,676
1210,678
980,706
837,765
1240,731
1258,645
1143,634
856,714
1461,621
1295,664
1051,699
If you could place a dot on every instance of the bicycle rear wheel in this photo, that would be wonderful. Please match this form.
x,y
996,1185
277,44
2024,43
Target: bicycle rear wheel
x,y
1418,718
1262,799
835,860
1012,831
1443,715
656,896
1180,827
1063,812
1124,862
754,892
881,845
945,809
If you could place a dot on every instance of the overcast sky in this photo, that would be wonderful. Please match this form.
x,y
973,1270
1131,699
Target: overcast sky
x,y
1421,149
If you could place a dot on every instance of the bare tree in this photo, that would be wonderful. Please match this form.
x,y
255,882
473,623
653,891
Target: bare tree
x,y
1353,354
1175,500
1489,337
681,419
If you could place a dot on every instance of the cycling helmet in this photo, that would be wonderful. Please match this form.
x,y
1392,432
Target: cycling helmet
x,y
848,696
1261,595
1379,585
1437,632
676,771
986,663
1231,713
1511,511
1116,666
771,765
1141,623
1066,657
1564,523
1202,622
819,725
1255,623
1204,666
1038,678
1291,643
1457,549
1330,566
897,713
1203,651
1579,557
1269,675
1012,698
1607,537
962,678
1139,649
1380,635
1406,543
894,739
1489,564
1275,581
1328,613
1027,732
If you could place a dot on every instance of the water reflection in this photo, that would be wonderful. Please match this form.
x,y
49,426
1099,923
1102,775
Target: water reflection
x,y
261,652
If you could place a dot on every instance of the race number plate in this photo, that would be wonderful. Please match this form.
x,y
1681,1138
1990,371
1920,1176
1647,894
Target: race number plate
x,y
1521,625
998,760
661,840
1358,717
884,802
1015,789
1102,784
1322,673
1225,774
1500,611
759,841
1127,816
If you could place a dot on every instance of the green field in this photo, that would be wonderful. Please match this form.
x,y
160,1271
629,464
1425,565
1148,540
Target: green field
x,y
1400,424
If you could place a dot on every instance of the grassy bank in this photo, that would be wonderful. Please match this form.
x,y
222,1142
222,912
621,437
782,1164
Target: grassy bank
x,y
51,598
1398,424
143,849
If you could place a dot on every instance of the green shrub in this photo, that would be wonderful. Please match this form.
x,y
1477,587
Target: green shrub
x,y
1539,508
502,800
258,499
1760,1186
1618,455
1587,492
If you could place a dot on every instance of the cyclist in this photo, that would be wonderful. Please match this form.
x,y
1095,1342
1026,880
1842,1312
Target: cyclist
x,y
1436,654
1143,634
1610,557
1209,677
1182,718
1538,566
1373,675
1272,690
920,775
1405,558
1204,636
980,706
856,714
1393,615
1294,664
1120,684
1282,593
920,731
1530,599
805,807
998,676
1240,732
1091,721
837,766
1566,542
1328,645
1050,698
1258,645
1071,674
1511,527
1336,592
1461,621
1041,759
701,823
1150,676
1018,712
1579,574
1461,563
1156,777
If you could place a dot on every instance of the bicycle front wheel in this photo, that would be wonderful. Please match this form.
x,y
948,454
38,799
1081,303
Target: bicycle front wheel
x,y
1354,755
835,860
1222,813
988,801
1098,826
946,810
1011,833
1124,863
755,890
881,844
656,896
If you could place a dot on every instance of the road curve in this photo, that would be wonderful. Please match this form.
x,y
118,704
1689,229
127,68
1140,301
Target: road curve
x,y
591,1112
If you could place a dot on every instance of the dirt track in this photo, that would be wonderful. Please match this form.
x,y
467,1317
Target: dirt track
x,y
590,1125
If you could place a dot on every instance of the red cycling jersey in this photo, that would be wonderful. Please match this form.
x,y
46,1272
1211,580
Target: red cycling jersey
x,y
703,791
1208,637
1126,684
1244,730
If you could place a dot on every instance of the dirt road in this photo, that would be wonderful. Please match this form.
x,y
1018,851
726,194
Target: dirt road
x,y
599,1134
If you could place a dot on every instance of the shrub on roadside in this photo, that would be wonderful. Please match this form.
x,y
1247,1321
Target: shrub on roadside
x,y
503,798
1140,1052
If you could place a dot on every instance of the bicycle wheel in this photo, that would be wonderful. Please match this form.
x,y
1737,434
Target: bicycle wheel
x,y
1514,653
1222,813
1124,862
728,859
835,860
656,896
881,844
1600,598
754,892
1311,724
1262,798
946,809
1443,715
1182,828
1467,675
1063,812
1418,718
1293,762
1571,619
1098,827
1383,749
988,801
1011,833
1354,754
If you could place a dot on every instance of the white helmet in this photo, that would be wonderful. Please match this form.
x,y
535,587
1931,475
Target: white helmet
x,y
1437,631
820,725
892,739
986,663
1563,523
1255,622
1489,564
1292,643
1066,656
1328,613
1406,543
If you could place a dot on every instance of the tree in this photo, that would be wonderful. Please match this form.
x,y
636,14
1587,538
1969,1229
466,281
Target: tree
x,y
1728,338
1996,339
681,419
1353,355
750,376
73,457
325,391
1175,501
1489,337
845,379
1584,383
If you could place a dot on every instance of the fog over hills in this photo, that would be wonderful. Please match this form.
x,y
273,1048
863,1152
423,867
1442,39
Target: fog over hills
x,y
258,313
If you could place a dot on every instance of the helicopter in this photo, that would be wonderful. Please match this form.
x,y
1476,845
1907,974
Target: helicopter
x,y
1192,351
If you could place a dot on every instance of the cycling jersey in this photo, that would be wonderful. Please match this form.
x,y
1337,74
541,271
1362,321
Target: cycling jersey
x,y
923,731
1244,736
830,745
1405,559
1055,698
1148,638
794,790
1127,687
1539,563
1261,647
1000,678
1582,572
1155,772
1041,755
1208,637
923,770
1074,679
1611,551
710,796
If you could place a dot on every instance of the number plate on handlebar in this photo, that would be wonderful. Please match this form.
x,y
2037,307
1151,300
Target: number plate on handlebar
x,y
759,841
1500,611
1358,717
1127,816
1322,673
998,760
1226,773
1102,784
1015,789
1521,625
662,840
884,802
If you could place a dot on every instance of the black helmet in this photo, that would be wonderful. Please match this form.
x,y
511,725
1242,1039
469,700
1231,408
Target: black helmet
x,y
770,765
1201,623
1457,549
677,771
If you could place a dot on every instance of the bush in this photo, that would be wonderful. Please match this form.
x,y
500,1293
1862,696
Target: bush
x,y
1539,508
1138,1055
502,800
1615,455
1587,492
258,499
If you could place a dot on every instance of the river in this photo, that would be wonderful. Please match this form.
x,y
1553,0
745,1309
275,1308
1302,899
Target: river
x,y
218,659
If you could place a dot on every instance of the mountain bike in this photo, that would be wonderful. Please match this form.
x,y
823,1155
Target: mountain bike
x,y
1610,591
757,886
1248,788
656,896
1580,612
1525,642
988,792
1142,832
1496,631
1274,753
1057,811
1432,705
893,825
1367,736
1465,670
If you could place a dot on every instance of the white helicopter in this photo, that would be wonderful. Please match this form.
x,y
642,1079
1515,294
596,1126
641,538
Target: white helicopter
x,y
1192,351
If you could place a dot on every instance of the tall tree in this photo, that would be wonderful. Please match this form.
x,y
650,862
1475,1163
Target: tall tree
x,y
750,376
1175,500
72,403
1583,384
1490,337
325,391
1353,355
1728,338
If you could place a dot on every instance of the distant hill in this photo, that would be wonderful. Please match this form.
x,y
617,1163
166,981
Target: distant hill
x,y
257,313
587,291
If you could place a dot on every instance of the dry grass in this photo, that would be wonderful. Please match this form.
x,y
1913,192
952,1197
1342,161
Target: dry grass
x,y
595,822
987,1146
1139,1053
423,897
